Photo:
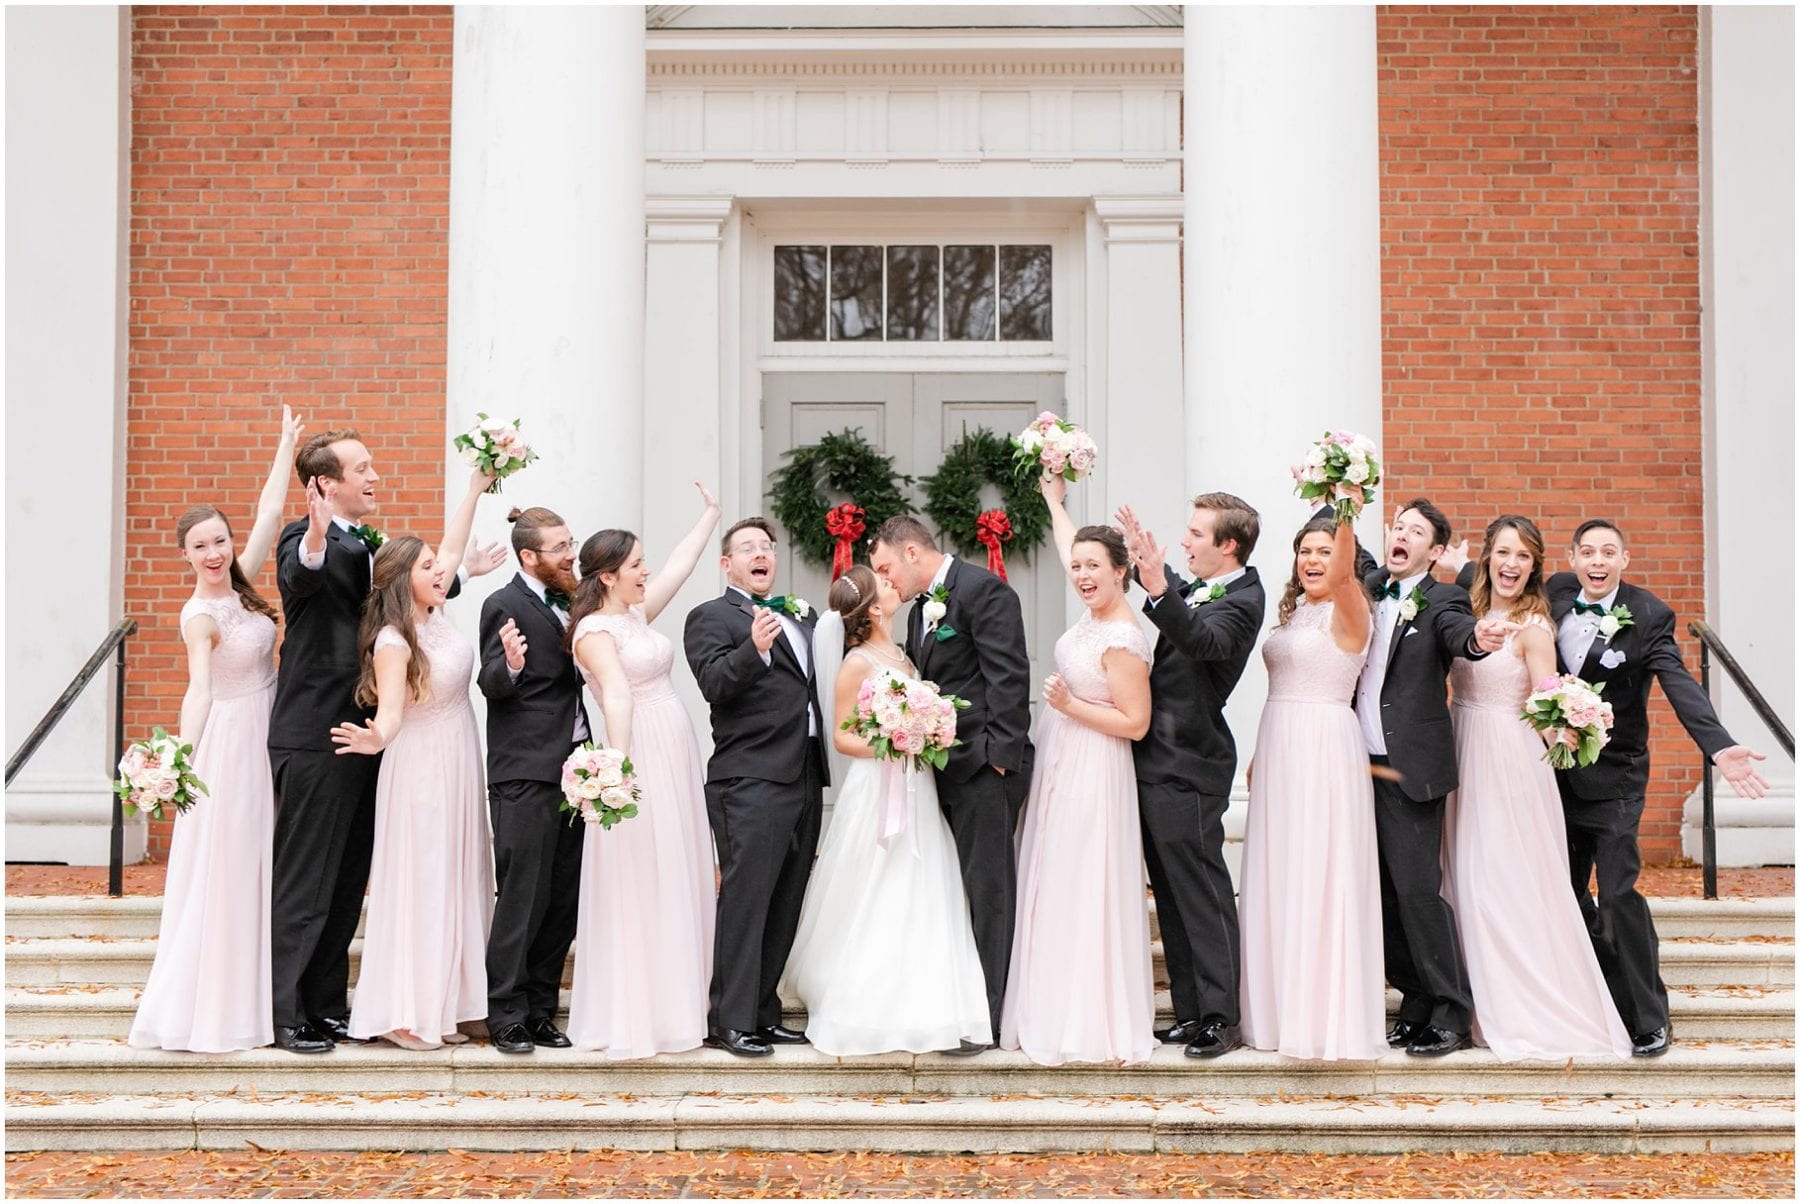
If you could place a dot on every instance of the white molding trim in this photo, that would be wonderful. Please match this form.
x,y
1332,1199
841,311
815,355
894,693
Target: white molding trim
x,y
686,218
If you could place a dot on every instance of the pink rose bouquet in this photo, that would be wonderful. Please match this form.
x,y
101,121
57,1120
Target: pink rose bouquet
x,y
1572,711
497,448
157,773
906,720
599,785
1341,467
1052,445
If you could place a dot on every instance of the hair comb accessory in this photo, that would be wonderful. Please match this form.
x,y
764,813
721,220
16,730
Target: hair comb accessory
x,y
854,592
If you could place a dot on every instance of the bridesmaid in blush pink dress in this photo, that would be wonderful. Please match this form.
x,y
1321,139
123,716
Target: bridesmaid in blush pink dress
x,y
208,989
1539,992
1079,988
1309,895
644,933
431,876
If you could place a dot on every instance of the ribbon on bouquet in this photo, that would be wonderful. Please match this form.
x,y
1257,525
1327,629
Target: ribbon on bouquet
x,y
993,528
896,805
845,524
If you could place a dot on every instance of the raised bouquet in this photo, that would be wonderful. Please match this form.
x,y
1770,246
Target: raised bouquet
x,y
906,720
1576,716
497,448
1052,445
157,773
599,785
1341,467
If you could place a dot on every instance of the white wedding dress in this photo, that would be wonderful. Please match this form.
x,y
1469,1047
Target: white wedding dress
x,y
885,958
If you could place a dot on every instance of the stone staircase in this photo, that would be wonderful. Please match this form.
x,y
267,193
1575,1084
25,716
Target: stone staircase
x,y
75,965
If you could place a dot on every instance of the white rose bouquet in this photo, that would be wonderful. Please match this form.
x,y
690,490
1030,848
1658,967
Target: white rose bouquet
x,y
906,720
157,773
1572,711
497,448
599,785
1052,445
1342,468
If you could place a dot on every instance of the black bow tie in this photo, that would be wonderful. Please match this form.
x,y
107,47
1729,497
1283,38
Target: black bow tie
x,y
1590,608
1391,590
557,598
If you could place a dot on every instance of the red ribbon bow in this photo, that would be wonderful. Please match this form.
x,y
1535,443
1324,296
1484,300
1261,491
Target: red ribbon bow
x,y
993,528
845,524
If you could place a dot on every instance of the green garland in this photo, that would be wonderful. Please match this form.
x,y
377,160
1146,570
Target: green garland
x,y
844,463
953,494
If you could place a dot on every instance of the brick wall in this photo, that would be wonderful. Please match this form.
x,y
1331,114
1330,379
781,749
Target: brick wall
x,y
289,231
1541,290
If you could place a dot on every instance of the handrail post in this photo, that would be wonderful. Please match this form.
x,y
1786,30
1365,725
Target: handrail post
x,y
115,868
1709,850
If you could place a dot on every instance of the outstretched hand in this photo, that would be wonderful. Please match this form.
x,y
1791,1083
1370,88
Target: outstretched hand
x,y
482,558
1455,556
350,738
291,427
1053,487
1490,634
318,512
1734,763
711,502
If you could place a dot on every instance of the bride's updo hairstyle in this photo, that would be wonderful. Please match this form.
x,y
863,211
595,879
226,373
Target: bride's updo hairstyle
x,y
604,552
1114,543
851,596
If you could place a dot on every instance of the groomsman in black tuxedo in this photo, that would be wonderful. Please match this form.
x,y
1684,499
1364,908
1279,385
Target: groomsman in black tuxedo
x,y
1186,761
534,718
1421,624
1621,636
966,632
752,655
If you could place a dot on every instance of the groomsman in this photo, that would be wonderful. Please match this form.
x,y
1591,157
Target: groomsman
x,y
1420,626
1186,761
752,655
966,632
1619,635
534,718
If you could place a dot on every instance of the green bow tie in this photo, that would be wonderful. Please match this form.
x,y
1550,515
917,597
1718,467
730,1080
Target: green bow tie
x,y
369,535
1590,608
1390,590
776,602
557,598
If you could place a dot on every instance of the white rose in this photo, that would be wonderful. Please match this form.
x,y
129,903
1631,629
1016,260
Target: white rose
x,y
609,776
1315,456
1031,441
934,613
589,788
1609,626
1358,472
1409,610
617,798
802,607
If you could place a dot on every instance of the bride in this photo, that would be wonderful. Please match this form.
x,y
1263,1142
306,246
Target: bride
x,y
885,959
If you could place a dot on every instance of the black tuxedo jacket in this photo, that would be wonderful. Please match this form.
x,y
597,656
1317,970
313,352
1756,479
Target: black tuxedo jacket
x,y
985,662
1649,649
531,721
1200,654
758,711
1415,714
1365,563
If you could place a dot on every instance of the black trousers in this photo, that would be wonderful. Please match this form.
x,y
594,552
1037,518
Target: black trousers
x,y
1603,843
981,812
1418,929
324,836
1184,850
537,890
766,834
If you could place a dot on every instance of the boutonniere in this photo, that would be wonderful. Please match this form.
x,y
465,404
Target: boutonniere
x,y
1201,597
792,605
936,606
1614,621
1412,604
371,538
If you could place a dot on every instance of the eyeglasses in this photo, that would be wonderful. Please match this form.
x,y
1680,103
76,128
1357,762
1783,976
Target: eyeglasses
x,y
561,549
750,549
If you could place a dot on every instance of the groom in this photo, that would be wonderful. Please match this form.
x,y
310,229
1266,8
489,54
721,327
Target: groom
x,y
967,634
752,655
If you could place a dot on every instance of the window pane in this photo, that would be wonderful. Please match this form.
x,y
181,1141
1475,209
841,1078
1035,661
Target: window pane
x,y
855,293
968,293
912,293
1025,292
799,294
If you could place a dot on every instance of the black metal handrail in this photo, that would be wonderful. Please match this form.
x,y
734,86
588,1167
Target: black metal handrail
x,y
1710,646
114,643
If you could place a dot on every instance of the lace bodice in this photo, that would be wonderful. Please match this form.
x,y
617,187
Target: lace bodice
x,y
1080,649
243,661
1305,663
646,654
1500,682
451,659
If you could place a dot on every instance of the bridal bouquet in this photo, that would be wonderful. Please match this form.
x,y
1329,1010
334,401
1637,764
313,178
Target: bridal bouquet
x,y
1573,711
599,785
155,773
906,720
1342,467
1051,445
496,448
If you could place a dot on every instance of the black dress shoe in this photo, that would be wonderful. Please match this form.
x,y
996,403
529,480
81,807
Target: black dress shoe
x,y
515,1038
1179,1033
1404,1032
744,1045
1435,1042
337,1030
1215,1039
968,1049
304,1039
776,1034
1653,1044
543,1031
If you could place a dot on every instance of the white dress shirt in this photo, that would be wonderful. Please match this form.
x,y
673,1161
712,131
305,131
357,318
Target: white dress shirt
x,y
1374,674
798,644
562,617
1575,634
1203,585
316,560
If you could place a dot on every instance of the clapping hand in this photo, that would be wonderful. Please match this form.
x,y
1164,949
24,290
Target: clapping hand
x,y
512,641
353,739
482,558
765,628
1734,763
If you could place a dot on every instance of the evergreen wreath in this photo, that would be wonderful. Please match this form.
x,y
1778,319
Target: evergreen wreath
x,y
953,493
844,463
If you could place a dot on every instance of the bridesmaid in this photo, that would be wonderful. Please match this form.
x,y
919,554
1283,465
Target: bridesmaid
x,y
431,876
644,931
1309,897
1539,992
208,989
1080,987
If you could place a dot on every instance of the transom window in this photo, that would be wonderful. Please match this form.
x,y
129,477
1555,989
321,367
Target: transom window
x,y
912,293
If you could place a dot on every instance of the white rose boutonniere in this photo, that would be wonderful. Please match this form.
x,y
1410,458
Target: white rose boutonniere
x,y
799,607
1201,597
1412,604
1614,621
935,606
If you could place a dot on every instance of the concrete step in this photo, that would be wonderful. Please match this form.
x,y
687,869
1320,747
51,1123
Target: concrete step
x,y
928,1123
1746,1069
137,916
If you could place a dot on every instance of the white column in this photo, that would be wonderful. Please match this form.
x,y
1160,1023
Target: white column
x,y
547,258
1747,385
67,171
1282,276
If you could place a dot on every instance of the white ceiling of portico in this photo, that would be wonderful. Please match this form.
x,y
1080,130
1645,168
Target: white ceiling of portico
x,y
910,16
